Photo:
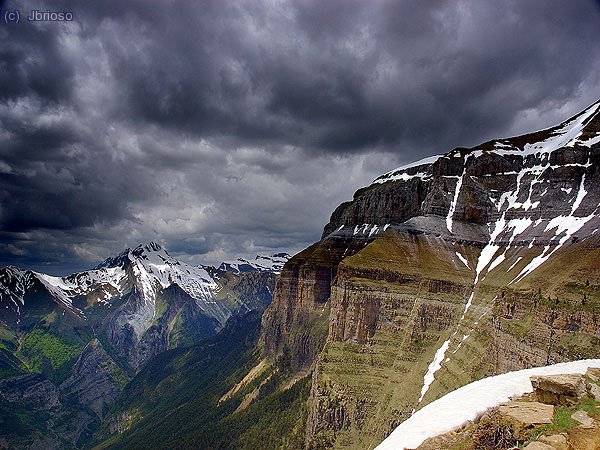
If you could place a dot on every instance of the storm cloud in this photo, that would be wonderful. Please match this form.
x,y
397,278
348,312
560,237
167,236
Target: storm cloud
x,y
224,129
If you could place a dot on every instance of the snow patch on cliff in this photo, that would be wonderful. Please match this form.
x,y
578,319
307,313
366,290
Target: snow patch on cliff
x,y
399,173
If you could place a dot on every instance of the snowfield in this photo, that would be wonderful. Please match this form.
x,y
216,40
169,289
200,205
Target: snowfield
x,y
261,263
456,408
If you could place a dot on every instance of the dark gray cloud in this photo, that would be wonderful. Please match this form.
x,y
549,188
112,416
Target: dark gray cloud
x,y
230,128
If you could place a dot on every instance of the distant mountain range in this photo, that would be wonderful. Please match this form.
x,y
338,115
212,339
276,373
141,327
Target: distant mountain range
x,y
80,338
261,263
144,271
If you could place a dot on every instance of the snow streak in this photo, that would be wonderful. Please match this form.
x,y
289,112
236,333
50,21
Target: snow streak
x,y
455,200
435,365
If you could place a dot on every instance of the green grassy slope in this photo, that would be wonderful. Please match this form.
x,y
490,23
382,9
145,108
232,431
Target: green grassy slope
x,y
174,401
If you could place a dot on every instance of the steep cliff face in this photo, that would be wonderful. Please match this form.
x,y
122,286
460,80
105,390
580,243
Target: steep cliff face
x,y
296,326
390,305
95,380
458,266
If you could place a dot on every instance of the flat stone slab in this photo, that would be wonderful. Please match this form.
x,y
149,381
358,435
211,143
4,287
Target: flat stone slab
x,y
556,441
539,446
559,389
583,418
528,414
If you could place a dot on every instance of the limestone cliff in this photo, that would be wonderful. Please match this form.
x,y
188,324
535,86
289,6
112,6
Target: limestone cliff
x,y
462,265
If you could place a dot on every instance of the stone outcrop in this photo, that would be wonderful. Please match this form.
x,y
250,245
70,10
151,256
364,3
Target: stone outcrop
x,y
556,441
594,374
565,389
526,415
583,418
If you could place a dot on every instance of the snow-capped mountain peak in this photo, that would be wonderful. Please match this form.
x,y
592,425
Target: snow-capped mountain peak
x,y
153,269
143,271
261,263
147,269
14,282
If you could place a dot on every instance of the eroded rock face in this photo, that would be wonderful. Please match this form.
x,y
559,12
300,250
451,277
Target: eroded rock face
x,y
297,322
380,204
95,380
551,326
253,289
178,321
404,302
33,401
30,388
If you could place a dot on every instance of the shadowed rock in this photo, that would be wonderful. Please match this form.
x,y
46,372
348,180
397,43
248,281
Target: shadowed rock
x,y
559,389
93,380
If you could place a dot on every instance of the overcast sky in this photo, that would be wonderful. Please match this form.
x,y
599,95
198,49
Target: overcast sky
x,y
224,129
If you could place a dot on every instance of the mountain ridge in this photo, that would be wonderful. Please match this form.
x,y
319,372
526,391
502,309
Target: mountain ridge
x,y
151,266
464,265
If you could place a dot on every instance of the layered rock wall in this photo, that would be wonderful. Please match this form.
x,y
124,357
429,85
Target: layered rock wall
x,y
296,324
467,265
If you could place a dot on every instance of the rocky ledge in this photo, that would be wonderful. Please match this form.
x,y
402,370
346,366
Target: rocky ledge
x,y
562,413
